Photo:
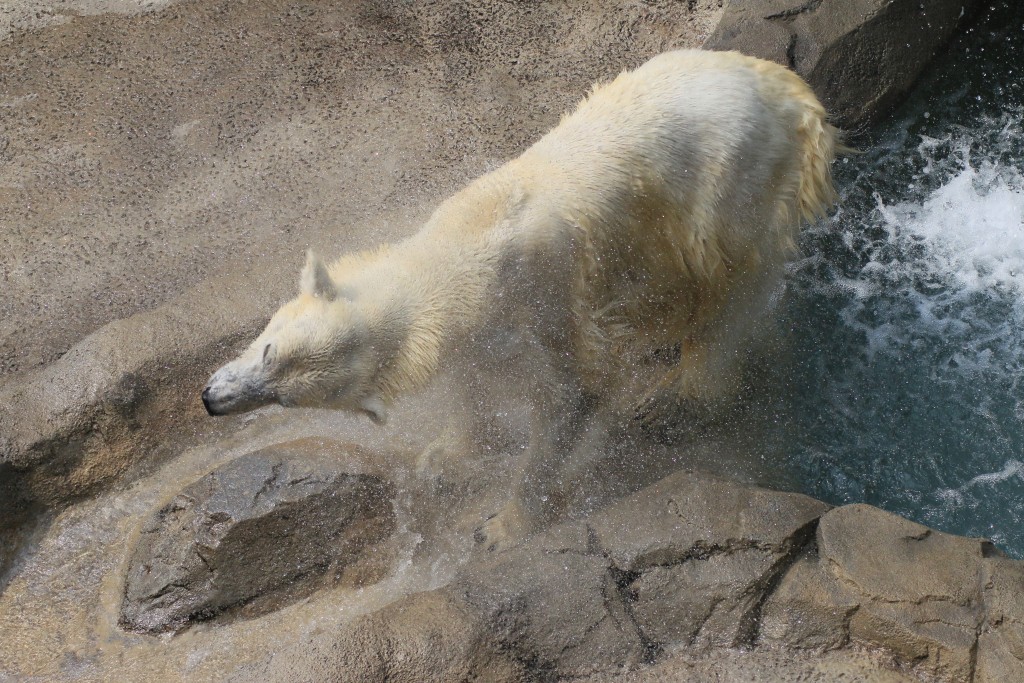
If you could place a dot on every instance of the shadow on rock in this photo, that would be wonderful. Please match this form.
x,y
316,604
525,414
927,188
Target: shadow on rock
x,y
262,531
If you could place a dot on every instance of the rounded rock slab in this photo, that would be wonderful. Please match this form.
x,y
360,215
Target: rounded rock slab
x,y
262,530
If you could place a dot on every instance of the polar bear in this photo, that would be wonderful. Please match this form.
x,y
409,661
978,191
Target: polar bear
x,y
631,251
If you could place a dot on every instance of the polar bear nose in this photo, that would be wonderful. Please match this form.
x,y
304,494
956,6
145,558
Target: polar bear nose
x,y
206,401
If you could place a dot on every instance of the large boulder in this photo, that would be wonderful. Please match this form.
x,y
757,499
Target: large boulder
x,y
860,56
948,606
700,554
267,523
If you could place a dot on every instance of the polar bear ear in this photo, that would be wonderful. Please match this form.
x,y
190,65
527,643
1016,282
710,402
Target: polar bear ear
x,y
315,278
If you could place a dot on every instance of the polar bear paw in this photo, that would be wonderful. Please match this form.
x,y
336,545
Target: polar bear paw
x,y
431,460
504,529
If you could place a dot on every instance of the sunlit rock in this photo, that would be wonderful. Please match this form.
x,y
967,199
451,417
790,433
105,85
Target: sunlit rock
x,y
1001,642
701,554
884,581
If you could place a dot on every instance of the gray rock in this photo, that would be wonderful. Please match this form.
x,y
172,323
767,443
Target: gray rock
x,y
1001,643
808,609
707,601
919,590
860,56
701,555
556,604
884,581
689,514
892,559
268,522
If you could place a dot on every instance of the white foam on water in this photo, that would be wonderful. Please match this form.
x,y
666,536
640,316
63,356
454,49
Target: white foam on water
x,y
952,263
928,274
1012,469
972,229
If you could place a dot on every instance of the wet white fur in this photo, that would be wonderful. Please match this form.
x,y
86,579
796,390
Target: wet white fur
x,y
656,216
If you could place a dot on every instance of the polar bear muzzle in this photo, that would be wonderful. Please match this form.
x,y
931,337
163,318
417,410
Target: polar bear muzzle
x,y
227,394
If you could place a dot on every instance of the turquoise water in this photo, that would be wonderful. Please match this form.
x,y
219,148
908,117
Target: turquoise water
x,y
906,317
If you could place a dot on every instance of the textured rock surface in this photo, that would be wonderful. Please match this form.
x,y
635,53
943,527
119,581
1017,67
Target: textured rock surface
x,y
699,555
427,637
860,56
669,582
260,526
919,590
664,584
937,602
1001,642
593,596
557,605
666,581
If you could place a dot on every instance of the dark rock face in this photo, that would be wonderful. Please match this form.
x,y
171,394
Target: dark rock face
x,y
860,56
262,524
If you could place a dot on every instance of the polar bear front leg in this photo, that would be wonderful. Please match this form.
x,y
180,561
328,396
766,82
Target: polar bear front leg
x,y
510,524
537,499
473,428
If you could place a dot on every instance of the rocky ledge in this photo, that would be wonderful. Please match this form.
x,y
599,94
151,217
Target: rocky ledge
x,y
688,567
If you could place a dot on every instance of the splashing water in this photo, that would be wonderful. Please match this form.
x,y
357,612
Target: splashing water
x,y
907,315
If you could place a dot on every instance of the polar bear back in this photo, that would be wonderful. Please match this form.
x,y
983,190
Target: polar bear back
x,y
685,181
710,136
657,215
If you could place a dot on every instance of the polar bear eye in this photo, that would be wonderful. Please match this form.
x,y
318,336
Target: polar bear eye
x,y
267,356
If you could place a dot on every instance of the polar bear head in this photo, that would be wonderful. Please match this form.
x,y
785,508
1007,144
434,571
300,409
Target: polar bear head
x,y
315,352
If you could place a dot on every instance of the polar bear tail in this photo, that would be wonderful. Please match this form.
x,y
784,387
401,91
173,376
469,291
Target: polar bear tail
x,y
819,142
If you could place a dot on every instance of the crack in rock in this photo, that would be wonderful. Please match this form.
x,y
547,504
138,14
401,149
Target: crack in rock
x,y
790,14
846,580
722,604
